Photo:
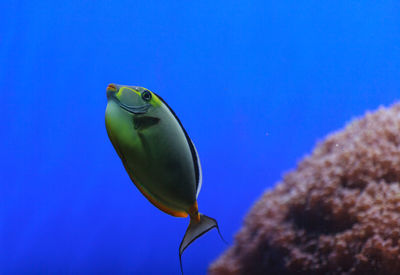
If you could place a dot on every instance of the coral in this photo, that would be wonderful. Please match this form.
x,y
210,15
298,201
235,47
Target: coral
x,y
337,213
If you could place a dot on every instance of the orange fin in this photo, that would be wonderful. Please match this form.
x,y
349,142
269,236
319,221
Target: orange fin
x,y
160,206
156,203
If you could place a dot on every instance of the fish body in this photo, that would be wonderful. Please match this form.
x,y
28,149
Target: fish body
x,y
158,154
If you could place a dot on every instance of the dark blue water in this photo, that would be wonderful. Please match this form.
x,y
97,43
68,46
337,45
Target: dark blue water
x,y
255,85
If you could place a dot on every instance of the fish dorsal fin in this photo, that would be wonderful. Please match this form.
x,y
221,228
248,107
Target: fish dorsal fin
x,y
199,179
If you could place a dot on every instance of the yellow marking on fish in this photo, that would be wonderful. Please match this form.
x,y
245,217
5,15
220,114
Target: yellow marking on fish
x,y
155,101
125,88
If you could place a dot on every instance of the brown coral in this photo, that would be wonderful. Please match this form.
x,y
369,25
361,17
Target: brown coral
x,y
337,213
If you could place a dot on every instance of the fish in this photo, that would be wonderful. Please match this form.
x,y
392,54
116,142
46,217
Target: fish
x,y
158,155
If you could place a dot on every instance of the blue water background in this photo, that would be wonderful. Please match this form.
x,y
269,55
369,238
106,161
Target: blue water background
x,y
255,83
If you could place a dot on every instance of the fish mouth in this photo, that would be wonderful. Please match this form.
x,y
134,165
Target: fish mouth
x,y
135,109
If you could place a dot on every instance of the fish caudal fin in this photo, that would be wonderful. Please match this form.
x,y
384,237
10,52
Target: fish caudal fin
x,y
197,227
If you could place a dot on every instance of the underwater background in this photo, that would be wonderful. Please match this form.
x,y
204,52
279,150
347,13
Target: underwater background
x,y
255,83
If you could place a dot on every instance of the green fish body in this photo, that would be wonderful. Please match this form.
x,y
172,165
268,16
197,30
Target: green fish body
x,y
157,154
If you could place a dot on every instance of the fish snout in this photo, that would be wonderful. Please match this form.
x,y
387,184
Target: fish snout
x,y
111,89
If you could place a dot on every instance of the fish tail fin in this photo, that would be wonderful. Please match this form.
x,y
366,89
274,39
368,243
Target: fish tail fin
x,y
198,226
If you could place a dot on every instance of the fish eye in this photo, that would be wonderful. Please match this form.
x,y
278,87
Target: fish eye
x,y
146,95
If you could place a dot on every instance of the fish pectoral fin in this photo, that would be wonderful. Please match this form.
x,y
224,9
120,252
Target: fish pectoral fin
x,y
144,122
195,230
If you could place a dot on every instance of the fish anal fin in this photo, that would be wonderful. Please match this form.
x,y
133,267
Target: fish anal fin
x,y
156,203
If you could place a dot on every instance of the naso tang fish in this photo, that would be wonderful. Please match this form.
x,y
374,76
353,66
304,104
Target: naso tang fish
x,y
158,155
